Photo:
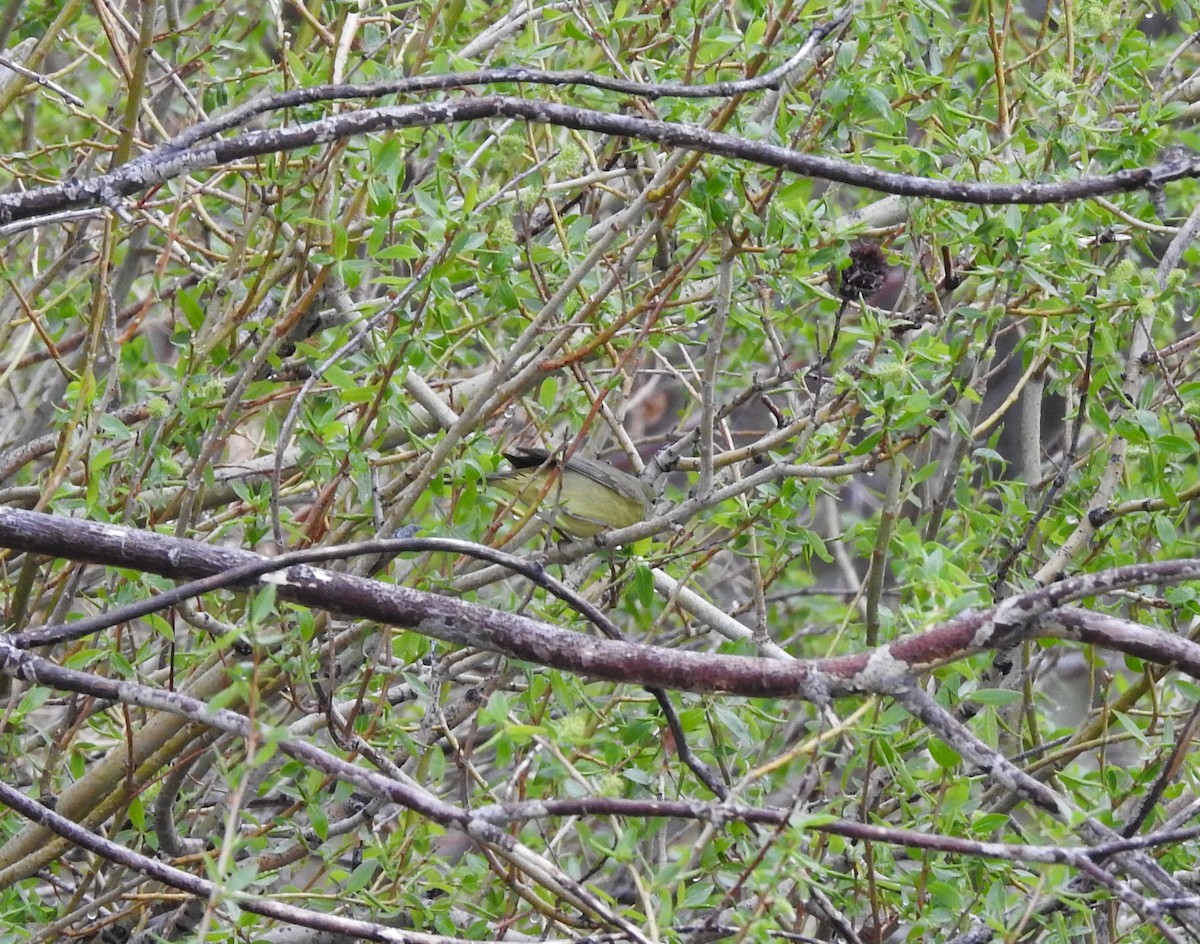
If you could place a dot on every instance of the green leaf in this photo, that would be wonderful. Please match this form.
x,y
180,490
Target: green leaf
x,y
944,755
995,697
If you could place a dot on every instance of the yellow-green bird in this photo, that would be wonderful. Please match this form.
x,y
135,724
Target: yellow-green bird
x,y
581,497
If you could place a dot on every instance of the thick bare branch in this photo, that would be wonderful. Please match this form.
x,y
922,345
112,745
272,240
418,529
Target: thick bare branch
x,y
884,670
168,163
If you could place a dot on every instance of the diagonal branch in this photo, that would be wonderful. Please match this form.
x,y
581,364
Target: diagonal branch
x,y
463,623
167,163
1146,870
172,877
32,668
422,84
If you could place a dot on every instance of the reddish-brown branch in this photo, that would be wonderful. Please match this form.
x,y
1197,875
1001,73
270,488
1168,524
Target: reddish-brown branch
x,y
885,670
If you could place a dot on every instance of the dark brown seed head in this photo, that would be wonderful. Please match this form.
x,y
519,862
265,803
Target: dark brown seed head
x,y
865,274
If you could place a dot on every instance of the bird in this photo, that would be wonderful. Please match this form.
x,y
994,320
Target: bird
x,y
580,497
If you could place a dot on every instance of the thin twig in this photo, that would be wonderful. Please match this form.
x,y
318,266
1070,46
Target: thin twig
x,y
42,81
